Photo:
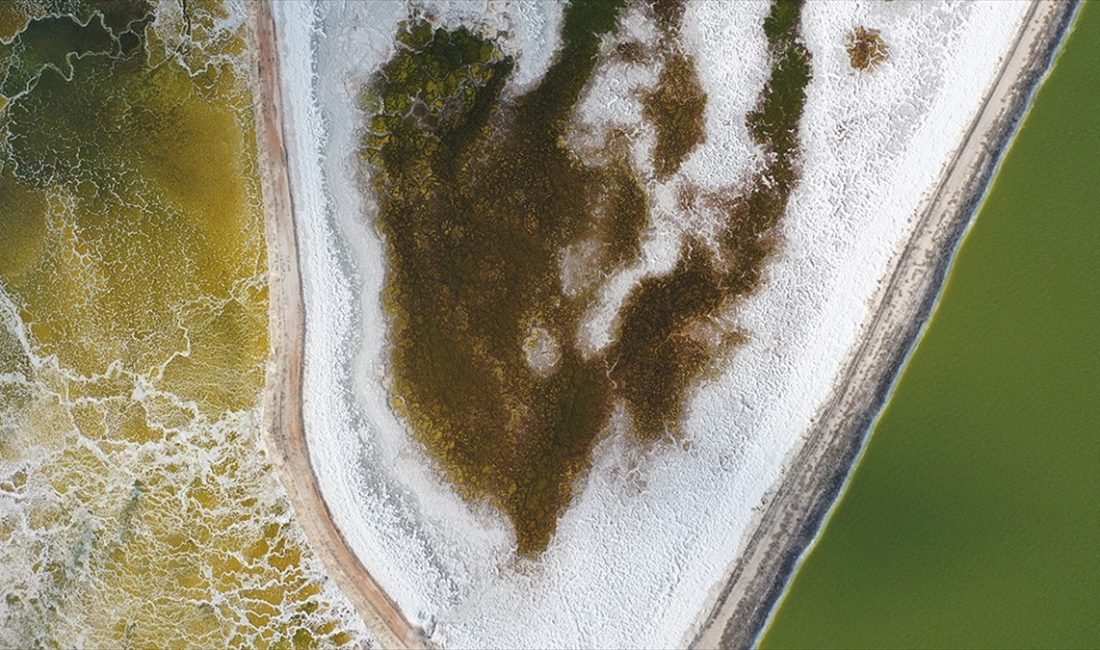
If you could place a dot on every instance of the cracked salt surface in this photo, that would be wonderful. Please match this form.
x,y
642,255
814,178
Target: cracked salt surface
x,y
651,533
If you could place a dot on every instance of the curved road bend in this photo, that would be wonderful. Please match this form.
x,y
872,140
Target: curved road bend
x,y
284,427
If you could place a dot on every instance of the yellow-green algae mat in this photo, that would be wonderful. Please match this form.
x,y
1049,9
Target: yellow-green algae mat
x,y
135,506
973,519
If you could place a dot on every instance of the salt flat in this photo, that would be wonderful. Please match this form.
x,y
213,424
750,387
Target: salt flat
x,y
652,531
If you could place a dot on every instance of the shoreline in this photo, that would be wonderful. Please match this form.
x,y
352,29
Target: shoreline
x,y
284,430
819,469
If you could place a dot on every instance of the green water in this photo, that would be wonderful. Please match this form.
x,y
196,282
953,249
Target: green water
x,y
973,520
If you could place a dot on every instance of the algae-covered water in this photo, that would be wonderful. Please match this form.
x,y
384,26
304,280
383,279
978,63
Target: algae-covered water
x,y
135,505
973,520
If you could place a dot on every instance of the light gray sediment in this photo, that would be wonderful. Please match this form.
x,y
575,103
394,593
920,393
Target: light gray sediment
x,y
818,471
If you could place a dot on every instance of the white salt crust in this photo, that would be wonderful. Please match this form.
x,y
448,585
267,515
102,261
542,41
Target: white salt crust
x,y
651,532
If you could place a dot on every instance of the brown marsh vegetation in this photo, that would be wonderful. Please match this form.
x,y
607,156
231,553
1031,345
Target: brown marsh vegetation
x,y
479,194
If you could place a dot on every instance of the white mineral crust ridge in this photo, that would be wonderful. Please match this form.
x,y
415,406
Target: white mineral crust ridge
x,y
651,533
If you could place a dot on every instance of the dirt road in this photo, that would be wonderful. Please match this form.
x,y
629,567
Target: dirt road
x,y
284,428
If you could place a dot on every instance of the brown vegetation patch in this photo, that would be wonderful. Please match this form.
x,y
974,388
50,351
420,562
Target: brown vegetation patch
x,y
677,111
483,205
866,49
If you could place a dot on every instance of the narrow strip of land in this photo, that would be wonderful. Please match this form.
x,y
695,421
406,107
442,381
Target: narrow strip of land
x,y
284,426
816,474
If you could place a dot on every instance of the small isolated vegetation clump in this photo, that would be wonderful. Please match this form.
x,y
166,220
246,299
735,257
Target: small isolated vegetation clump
x,y
866,49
